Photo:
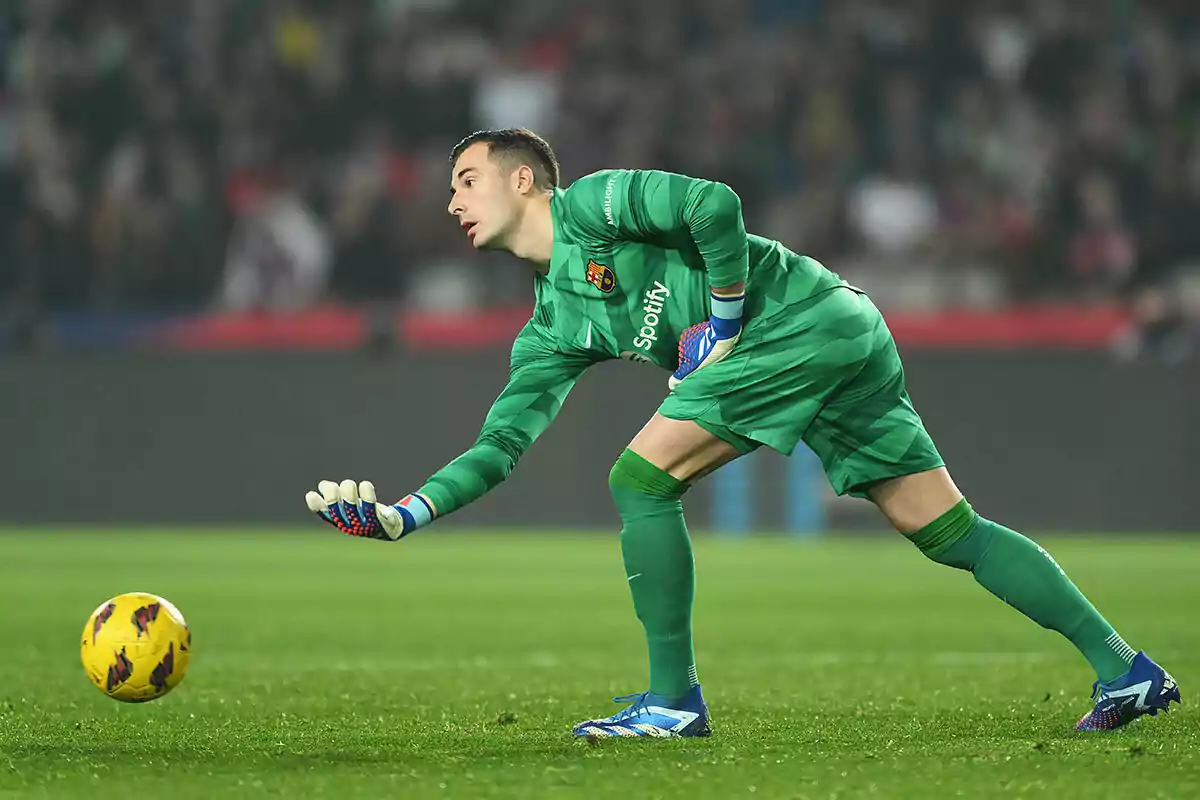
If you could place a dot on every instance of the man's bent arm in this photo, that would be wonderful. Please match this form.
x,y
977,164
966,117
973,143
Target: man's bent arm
x,y
540,378
649,205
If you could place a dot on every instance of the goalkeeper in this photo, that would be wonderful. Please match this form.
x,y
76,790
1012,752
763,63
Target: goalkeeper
x,y
766,347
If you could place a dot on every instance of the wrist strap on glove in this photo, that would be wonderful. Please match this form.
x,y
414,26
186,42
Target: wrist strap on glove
x,y
416,512
726,314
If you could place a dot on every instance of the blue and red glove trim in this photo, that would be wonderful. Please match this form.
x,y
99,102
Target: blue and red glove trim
x,y
416,512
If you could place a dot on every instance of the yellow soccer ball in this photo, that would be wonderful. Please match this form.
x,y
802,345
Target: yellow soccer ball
x,y
136,647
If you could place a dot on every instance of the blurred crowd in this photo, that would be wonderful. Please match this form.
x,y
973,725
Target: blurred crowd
x,y
278,153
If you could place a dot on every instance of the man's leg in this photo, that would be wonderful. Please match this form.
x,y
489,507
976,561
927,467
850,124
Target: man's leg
x,y
874,444
929,509
648,482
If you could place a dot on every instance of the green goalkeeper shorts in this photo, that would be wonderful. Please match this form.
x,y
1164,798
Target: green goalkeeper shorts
x,y
824,371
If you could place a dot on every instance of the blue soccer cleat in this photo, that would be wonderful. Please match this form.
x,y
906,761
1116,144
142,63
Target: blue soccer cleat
x,y
1146,688
652,715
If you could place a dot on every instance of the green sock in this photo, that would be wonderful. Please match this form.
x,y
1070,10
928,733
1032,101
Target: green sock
x,y
659,566
1024,575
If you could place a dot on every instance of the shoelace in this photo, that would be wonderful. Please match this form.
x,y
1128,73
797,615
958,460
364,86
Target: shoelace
x,y
639,704
1099,688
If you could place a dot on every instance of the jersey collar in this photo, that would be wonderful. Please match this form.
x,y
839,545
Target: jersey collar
x,y
560,251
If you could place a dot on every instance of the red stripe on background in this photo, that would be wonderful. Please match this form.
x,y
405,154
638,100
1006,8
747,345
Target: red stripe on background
x,y
1052,327
483,329
327,328
333,328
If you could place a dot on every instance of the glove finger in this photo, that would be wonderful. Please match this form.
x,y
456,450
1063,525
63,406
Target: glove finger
x,y
332,497
317,505
367,502
327,496
329,492
348,506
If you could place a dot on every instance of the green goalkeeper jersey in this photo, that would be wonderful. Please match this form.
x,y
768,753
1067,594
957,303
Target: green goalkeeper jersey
x,y
635,254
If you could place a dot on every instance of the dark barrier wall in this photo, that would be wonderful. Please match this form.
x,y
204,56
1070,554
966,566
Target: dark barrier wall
x,y
1042,441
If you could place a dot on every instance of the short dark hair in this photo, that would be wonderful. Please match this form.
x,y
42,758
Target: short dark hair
x,y
514,147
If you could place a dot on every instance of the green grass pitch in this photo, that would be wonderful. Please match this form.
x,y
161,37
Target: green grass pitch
x,y
453,665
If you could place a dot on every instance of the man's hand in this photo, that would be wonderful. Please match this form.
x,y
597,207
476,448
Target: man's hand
x,y
708,342
353,510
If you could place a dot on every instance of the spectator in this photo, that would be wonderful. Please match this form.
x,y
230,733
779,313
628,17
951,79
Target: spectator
x,y
1022,138
279,255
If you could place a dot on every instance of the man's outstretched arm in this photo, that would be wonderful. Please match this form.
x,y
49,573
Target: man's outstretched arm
x,y
540,378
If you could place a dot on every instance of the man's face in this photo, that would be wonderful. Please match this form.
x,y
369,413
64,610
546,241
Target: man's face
x,y
483,198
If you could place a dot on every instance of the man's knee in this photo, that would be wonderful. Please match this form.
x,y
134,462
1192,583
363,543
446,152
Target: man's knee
x,y
682,448
954,538
633,473
911,502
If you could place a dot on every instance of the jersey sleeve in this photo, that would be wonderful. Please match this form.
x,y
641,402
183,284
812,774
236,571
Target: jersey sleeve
x,y
540,377
655,206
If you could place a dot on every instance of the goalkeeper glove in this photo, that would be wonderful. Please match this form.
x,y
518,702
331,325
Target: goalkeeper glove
x,y
709,342
354,511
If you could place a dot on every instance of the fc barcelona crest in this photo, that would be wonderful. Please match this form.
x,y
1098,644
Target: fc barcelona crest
x,y
600,276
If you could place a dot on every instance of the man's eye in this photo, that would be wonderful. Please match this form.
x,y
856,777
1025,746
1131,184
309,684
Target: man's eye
x,y
469,181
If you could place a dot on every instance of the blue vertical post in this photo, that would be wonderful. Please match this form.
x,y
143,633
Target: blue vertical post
x,y
732,498
804,487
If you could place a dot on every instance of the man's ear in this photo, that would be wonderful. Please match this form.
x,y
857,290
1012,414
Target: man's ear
x,y
523,179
